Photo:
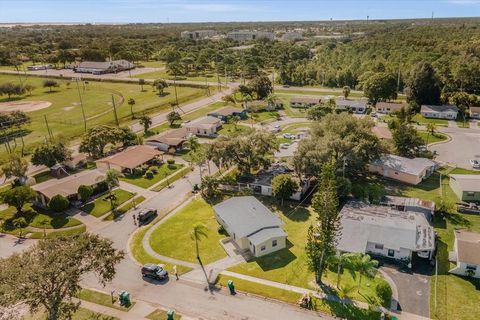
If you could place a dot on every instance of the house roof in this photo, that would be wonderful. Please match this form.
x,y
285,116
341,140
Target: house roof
x,y
172,138
76,159
227,111
468,246
409,202
392,105
351,103
467,182
362,223
132,157
474,109
95,65
204,123
413,166
382,132
68,186
245,216
266,234
314,100
440,108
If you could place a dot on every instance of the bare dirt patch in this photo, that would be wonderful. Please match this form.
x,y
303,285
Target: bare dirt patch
x,y
25,106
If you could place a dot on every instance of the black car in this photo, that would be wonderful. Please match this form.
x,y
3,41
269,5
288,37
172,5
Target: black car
x,y
154,271
146,215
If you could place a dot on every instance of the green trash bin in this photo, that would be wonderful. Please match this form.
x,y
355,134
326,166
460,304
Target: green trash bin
x,y
170,315
124,298
231,286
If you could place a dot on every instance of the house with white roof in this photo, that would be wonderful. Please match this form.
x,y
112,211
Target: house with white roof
x,y
449,112
204,127
411,171
251,225
465,254
355,106
466,186
383,230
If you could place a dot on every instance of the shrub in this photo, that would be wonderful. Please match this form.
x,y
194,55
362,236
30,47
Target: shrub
x,y
171,161
384,292
85,192
149,174
154,170
58,203
221,230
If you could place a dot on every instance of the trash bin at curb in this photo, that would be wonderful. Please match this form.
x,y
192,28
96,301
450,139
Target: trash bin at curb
x,y
170,315
231,287
124,298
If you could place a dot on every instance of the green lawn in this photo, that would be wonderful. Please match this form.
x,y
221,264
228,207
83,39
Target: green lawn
x,y
290,265
59,233
123,209
294,127
424,121
463,124
80,314
142,256
162,315
101,205
65,114
172,238
103,299
263,116
429,138
164,171
172,178
232,130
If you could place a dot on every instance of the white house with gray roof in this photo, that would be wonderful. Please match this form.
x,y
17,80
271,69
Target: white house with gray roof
x,y
411,171
384,231
251,225
449,112
355,106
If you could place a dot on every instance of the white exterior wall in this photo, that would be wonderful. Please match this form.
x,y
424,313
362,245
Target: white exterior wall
x,y
461,269
268,246
440,115
398,254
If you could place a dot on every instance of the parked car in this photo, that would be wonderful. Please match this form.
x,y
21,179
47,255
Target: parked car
x,y
470,207
154,271
373,114
146,215
475,164
276,128
288,136
286,86
285,145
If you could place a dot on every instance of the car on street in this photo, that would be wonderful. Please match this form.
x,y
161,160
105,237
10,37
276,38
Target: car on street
x,y
288,136
146,215
285,145
475,164
276,128
154,271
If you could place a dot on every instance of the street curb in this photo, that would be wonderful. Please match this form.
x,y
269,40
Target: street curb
x,y
449,138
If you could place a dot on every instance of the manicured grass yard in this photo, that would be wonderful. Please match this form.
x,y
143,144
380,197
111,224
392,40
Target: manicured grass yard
x,y
230,129
172,178
163,171
101,205
262,116
294,127
103,299
161,315
432,138
290,265
172,238
424,121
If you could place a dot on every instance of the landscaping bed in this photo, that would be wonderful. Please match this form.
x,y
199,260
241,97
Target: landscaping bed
x,y
429,138
159,173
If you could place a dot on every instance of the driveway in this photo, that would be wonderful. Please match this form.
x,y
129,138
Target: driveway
x,y
464,146
413,289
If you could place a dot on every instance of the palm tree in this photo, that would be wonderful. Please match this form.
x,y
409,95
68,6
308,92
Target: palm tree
x,y
199,230
20,223
346,92
193,143
111,179
365,266
431,127
131,103
146,122
271,99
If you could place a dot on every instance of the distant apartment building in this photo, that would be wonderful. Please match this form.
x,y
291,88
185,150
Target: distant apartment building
x,y
198,34
291,36
248,35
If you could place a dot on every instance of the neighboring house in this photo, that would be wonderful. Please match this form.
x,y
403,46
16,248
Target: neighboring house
x,y
383,230
382,133
411,171
466,186
40,67
172,141
58,170
258,105
304,102
466,254
261,182
449,112
198,34
204,127
355,106
129,159
389,107
67,187
251,225
291,36
77,161
248,35
104,67
227,112
475,112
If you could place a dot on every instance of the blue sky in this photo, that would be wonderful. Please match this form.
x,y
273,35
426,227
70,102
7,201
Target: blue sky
x,y
224,10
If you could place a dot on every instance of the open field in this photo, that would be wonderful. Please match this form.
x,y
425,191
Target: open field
x,y
64,116
172,238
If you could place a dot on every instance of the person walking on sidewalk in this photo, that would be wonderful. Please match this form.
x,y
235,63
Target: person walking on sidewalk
x,y
175,271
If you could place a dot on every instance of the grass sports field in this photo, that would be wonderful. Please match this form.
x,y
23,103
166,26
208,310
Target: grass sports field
x,y
64,115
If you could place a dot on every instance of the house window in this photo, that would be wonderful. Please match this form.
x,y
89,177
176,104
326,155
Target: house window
x,y
471,268
379,246
470,193
391,253
396,173
274,243
262,248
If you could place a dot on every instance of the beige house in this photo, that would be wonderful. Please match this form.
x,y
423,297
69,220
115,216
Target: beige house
x,y
204,127
129,159
466,186
251,225
411,171
389,107
475,112
466,254
171,141
304,102
354,106
68,186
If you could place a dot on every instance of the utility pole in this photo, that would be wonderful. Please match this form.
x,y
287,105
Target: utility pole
x,y
115,110
81,104
48,127
175,86
218,75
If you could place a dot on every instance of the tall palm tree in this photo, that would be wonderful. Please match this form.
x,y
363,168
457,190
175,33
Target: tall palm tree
x,y
365,266
193,143
131,103
431,127
198,232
